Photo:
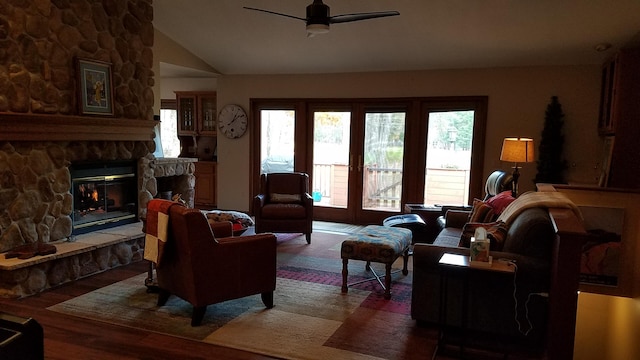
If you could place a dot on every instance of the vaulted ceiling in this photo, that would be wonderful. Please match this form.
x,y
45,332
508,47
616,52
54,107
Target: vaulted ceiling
x,y
428,34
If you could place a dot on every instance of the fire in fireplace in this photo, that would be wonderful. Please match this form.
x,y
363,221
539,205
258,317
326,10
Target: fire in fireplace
x,y
104,195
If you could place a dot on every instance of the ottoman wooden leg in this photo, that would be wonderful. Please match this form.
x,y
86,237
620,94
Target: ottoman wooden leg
x,y
345,272
405,260
387,281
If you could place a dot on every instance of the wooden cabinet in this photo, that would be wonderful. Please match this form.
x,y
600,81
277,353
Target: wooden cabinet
x,y
620,117
206,183
196,113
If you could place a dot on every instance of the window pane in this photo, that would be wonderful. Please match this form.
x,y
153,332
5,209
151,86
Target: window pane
x,y
169,132
331,136
449,141
277,140
383,154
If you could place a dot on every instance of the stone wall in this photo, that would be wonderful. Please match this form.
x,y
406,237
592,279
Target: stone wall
x,y
35,184
40,41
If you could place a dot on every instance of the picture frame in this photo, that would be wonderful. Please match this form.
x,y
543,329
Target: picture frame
x,y
95,87
607,151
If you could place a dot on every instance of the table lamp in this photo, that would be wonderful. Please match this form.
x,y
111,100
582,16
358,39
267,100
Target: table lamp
x,y
517,150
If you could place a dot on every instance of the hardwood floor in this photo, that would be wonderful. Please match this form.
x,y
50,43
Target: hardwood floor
x,y
75,338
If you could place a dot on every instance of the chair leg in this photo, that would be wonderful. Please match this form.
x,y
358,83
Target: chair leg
x,y
198,314
308,236
267,299
163,296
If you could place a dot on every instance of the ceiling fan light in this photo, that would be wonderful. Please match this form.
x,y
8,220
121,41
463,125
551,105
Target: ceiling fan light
x,y
317,29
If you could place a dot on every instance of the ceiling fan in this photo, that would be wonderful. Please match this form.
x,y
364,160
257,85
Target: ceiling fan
x,y
318,18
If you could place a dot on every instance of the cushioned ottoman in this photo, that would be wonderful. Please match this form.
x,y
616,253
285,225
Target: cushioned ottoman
x,y
376,244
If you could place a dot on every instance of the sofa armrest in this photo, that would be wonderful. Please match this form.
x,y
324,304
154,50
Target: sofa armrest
x,y
456,218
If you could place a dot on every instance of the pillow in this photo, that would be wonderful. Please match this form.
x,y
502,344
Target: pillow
x,y
496,233
235,217
284,198
481,213
500,201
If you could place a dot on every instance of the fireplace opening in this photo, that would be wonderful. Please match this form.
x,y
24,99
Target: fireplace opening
x,y
104,195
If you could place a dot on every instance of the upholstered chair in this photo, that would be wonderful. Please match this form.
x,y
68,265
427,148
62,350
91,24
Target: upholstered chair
x,y
202,269
284,204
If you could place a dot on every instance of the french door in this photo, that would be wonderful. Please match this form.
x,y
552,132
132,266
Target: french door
x,y
367,158
357,161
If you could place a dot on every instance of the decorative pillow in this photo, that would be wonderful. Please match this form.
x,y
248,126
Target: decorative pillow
x,y
481,213
496,232
236,217
284,198
500,201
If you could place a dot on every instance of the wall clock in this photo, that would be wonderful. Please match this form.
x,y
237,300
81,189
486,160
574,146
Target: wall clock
x,y
232,121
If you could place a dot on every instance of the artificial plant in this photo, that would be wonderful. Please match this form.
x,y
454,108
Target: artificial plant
x,y
551,164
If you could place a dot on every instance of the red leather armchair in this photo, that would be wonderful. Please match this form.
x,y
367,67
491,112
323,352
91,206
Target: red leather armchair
x,y
284,204
202,269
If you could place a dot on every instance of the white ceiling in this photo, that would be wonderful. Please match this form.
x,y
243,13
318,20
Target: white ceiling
x,y
428,34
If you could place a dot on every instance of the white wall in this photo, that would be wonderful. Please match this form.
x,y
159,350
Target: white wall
x,y
518,98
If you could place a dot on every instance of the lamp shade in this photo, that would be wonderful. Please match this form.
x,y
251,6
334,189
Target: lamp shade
x,y
517,150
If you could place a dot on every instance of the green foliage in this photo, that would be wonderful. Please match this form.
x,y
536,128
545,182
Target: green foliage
x,y
551,164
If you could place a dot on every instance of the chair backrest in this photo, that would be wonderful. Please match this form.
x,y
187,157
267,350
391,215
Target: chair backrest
x,y
497,182
284,183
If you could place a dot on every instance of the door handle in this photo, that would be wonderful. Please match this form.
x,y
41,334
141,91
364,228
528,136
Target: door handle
x,y
350,162
360,164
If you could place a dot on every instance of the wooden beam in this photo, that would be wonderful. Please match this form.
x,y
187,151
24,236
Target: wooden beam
x,y
35,127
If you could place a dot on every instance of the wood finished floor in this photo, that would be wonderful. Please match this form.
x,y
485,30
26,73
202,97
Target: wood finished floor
x,y
75,338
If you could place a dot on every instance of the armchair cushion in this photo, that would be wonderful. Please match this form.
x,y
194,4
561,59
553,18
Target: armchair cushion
x,y
285,198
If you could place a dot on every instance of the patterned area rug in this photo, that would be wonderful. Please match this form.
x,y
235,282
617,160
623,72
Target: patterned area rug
x,y
311,319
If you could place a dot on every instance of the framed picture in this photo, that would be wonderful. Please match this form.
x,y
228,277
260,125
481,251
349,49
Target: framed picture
x,y
95,87
607,151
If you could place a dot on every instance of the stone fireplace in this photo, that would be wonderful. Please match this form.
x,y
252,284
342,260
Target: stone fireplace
x,y
44,135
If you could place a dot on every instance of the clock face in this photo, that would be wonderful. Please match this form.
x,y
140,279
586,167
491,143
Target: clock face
x,y
232,121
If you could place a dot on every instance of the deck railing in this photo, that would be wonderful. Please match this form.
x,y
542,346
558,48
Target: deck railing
x,y
383,186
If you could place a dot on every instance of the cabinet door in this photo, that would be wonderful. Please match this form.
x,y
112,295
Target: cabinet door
x,y
207,114
205,184
187,114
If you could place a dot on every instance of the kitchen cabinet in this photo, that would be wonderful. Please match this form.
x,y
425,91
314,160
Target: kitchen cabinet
x,y
206,181
196,113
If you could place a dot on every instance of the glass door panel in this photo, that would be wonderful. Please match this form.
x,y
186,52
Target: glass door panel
x,y
277,140
382,161
448,164
331,141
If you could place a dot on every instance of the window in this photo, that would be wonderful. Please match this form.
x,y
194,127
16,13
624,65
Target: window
x,y
169,129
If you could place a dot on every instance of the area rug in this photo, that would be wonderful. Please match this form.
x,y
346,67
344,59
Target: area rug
x,y
311,319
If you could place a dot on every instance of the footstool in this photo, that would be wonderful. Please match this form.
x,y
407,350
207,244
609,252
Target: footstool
x,y
376,244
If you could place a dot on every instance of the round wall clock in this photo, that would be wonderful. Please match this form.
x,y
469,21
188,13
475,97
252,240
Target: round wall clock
x,y
232,121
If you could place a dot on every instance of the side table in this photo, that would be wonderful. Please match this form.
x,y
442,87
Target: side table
x,y
460,265
428,213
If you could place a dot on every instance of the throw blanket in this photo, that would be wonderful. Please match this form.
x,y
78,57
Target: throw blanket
x,y
157,229
532,199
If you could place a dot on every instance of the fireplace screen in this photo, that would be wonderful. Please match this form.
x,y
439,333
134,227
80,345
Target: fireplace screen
x,y
103,196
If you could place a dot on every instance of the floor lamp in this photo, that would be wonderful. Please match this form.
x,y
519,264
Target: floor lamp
x,y
517,150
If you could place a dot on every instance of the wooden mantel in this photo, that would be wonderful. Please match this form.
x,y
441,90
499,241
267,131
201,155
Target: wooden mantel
x,y
36,127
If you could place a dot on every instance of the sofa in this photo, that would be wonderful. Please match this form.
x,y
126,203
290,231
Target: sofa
x,y
513,307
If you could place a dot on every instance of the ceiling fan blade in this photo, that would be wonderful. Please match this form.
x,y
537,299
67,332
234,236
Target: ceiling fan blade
x,y
360,16
275,13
